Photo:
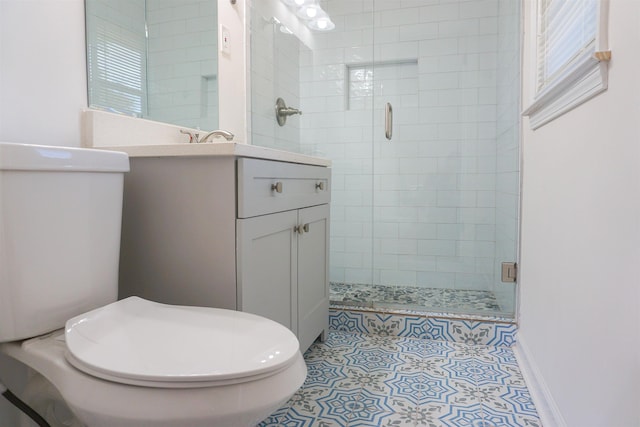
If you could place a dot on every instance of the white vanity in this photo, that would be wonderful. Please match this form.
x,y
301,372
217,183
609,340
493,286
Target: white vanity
x,y
231,226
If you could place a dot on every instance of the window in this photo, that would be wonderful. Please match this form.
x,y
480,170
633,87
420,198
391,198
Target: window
x,y
570,56
116,65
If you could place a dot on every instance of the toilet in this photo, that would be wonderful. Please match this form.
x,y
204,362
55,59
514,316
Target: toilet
x,y
115,363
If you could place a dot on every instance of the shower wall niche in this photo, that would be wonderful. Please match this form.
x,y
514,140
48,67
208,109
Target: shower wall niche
x,y
428,217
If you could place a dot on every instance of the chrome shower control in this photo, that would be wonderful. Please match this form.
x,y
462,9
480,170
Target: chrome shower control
x,y
282,111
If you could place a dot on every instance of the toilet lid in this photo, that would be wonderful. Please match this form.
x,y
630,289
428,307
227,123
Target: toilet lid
x,y
141,342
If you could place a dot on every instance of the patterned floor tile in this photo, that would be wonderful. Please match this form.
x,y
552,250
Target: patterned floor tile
x,y
372,359
324,422
465,393
469,416
293,418
425,348
305,400
324,373
463,331
274,419
507,399
493,418
360,380
476,372
434,366
347,321
354,408
380,342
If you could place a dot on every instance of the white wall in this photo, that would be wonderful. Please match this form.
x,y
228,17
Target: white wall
x,y
42,93
580,302
42,71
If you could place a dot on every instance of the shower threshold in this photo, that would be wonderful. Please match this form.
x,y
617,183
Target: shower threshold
x,y
416,299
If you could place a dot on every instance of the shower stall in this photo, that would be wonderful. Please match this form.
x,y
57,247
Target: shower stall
x,y
416,102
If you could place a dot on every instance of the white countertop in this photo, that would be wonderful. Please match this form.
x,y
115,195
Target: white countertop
x,y
219,149
136,137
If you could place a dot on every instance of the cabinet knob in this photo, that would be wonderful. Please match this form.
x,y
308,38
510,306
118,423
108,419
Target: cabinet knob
x,y
320,186
277,187
301,229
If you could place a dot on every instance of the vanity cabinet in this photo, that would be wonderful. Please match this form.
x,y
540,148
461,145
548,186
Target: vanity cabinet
x,y
230,232
288,251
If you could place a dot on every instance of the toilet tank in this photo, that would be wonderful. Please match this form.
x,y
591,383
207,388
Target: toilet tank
x,y
60,217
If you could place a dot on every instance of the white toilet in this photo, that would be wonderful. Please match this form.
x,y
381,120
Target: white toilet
x,y
119,363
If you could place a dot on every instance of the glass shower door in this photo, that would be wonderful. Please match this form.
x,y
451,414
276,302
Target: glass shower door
x,y
446,190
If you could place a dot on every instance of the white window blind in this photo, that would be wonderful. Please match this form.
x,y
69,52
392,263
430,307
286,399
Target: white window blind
x,y
567,33
567,73
116,66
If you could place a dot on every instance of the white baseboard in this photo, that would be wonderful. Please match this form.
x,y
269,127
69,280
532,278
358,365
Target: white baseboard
x,y
548,411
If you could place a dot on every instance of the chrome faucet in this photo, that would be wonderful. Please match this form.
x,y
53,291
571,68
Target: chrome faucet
x,y
225,133
195,137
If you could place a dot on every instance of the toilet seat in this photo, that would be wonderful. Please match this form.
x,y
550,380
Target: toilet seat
x,y
140,342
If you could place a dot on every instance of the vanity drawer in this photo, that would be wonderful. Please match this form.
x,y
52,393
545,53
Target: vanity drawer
x,y
266,186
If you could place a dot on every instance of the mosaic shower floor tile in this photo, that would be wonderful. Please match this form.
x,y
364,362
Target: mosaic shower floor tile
x,y
414,298
367,380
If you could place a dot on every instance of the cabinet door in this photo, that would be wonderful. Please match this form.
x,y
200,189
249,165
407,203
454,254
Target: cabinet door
x,y
267,249
313,283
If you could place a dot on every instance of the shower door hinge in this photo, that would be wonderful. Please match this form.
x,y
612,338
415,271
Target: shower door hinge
x,y
509,272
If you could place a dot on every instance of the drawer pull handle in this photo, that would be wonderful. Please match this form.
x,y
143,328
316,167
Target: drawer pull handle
x,y
277,187
320,186
306,227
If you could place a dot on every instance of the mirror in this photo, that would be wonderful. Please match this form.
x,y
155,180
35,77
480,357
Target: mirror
x,y
154,59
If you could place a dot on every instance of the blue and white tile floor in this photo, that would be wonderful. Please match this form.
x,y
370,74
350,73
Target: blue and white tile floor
x,y
368,380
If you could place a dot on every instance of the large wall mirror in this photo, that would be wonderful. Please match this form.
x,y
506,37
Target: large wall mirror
x,y
154,59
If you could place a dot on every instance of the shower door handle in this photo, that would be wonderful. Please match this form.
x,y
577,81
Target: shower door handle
x,y
388,121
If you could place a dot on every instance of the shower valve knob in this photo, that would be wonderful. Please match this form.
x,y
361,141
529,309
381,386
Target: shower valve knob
x,y
282,111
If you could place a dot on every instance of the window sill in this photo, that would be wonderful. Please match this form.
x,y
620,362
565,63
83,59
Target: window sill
x,y
568,94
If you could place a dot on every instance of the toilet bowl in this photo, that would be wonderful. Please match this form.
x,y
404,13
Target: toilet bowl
x,y
139,363
122,363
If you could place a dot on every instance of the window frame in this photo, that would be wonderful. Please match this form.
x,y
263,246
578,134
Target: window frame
x,y
584,79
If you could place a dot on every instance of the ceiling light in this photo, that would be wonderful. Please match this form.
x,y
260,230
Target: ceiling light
x,y
309,11
321,22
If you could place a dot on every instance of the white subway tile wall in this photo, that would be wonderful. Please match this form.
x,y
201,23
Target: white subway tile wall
x,y
436,206
183,62
276,58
